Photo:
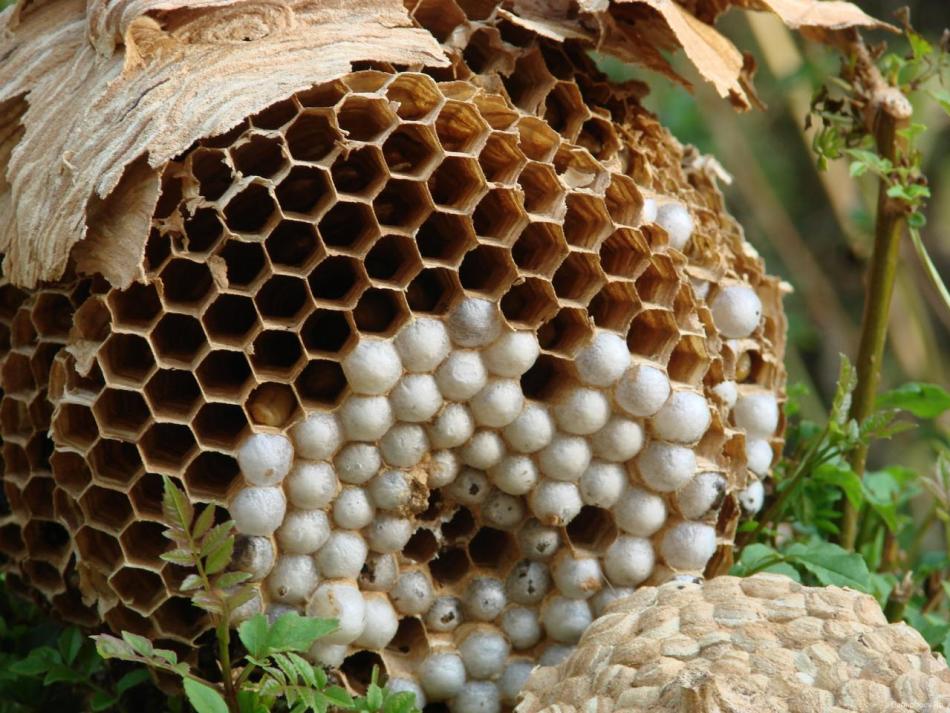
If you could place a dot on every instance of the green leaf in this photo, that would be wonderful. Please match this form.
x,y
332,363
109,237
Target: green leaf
x,y
38,662
231,579
70,641
841,476
191,582
177,509
754,558
290,632
204,522
62,674
139,644
131,680
922,400
831,564
181,557
841,403
110,647
217,535
101,701
219,558
337,696
942,97
374,697
253,634
203,698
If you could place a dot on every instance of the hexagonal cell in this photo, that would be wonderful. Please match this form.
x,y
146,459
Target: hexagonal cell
x,y
598,136
357,668
157,249
546,378
543,192
38,496
211,169
394,259
586,222
537,140
658,283
70,471
402,204
592,530
38,451
487,269
623,253
274,116
445,238
539,249
274,405
17,375
251,210
144,543
121,618
105,508
166,447
457,183
411,150
460,127
66,510
210,475
529,303
220,426
493,548
179,340
231,320
246,263
46,540
258,155
360,172
485,52
11,540
567,332
179,618
15,418
120,413
322,95
173,394
225,375
186,283
92,320
135,307
500,215
530,82
338,279
500,159
614,306
283,300
326,332
564,109
578,278
146,495
422,546
138,588
203,231
43,576
652,333
365,118
22,331
689,361
380,312
74,426
126,359
312,136
433,290
321,384
53,315
114,462
349,227
305,190
451,565
276,354
10,300
293,246
367,77
413,95
623,200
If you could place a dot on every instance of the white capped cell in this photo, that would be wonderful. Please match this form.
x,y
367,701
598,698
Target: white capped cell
x,y
757,413
675,219
538,541
684,418
471,487
514,474
484,599
352,509
618,441
293,578
498,403
512,680
642,390
512,354
531,431
758,453
412,593
343,555
602,484
461,375
483,450
452,427
404,685
629,560
388,533
311,485
581,411
373,367
365,418
317,437
736,310
484,652
329,655
700,495
477,697
303,531
381,622
688,545
665,467
474,323
600,601
565,458
254,555
416,398
555,502
503,511
265,458
445,614
379,573
341,601
576,577
752,497
258,510
442,675
565,620
639,512
648,211
528,582
423,344
390,490
604,360
444,467
252,607
356,463
522,627
727,392
404,445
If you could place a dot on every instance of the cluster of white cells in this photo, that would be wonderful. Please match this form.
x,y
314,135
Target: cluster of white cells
x,y
437,414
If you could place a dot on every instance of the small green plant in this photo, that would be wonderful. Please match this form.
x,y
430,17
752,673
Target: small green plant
x,y
273,673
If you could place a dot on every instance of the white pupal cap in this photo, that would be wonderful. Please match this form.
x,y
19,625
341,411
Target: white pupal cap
x,y
318,436
576,577
736,310
404,445
528,582
600,601
512,354
727,392
381,622
513,679
757,413
498,403
357,463
675,219
442,675
619,441
310,485
416,398
639,512
258,511
582,411
293,578
329,655
373,367
341,601
531,431
503,511
343,556
452,427
412,593
444,467
484,652
604,360
514,474
565,620
404,685
388,533
352,509
474,323
483,450
471,487
684,417
265,458
753,497
649,210
665,467
366,418
602,484
565,458
688,545
538,541
303,531
461,375
477,697
758,455
555,502
423,344
642,390
700,495
484,599
445,614
522,627
390,490
629,561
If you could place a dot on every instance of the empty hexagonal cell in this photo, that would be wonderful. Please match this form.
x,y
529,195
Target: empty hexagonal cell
x,y
210,475
258,155
326,332
689,360
485,52
451,565
52,314
17,375
105,508
337,278
276,354
500,216
460,127
411,150
402,204
365,118
457,183
70,471
178,340
445,238
539,249
500,159
246,263
394,259
22,331
433,290
173,394
414,96
312,136
380,312
74,426
186,283
487,269
529,303
623,253
115,462
126,359
658,283
274,405
121,413
357,668
321,384
530,82
614,306
598,136
38,496
564,109
283,300
360,172
158,248
275,116
493,548
144,543
578,278
652,333
11,540
231,320
46,540
15,418
146,495
13,497
349,226
546,378
567,332
43,576
211,169
166,447
10,300
593,529
422,546
293,246
203,231
179,618
38,451
138,588
66,510
135,307
305,190
251,210
121,618
587,221
543,192
623,200
537,140
220,425
225,375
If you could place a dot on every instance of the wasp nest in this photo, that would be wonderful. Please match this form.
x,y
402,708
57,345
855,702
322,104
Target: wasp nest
x,y
764,644
466,353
